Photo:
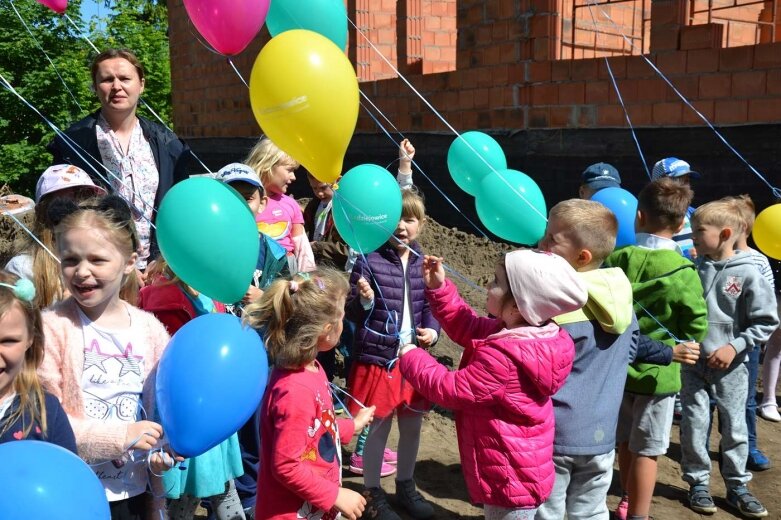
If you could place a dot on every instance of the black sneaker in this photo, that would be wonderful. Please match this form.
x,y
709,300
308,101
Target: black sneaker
x,y
410,499
741,499
377,506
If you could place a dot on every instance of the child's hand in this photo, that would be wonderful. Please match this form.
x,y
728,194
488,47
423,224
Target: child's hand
x,y
365,289
433,272
722,357
350,503
252,294
406,154
425,337
161,462
406,348
686,353
143,434
363,417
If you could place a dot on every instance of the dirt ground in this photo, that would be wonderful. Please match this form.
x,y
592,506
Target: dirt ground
x,y
438,472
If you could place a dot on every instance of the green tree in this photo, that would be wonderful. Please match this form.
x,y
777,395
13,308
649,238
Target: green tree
x,y
139,25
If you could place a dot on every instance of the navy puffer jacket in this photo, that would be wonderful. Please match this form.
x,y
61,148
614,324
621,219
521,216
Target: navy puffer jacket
x,y
386,275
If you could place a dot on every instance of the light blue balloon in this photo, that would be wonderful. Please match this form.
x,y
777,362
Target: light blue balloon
x,y
210,380
471,157
44,480
367,207
326,17
511,206
624,206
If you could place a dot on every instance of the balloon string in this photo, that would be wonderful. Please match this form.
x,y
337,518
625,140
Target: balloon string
x,y
776,192
32,235
230,62
44,53
446,123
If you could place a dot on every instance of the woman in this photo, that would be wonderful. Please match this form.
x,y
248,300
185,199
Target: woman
x,y
144,158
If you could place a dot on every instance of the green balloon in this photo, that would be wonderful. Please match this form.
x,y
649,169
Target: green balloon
x,y
511,206
471,157
209,238
326,17
367,207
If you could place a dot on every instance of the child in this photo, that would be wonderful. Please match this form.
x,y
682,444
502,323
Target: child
x,y
511,366
300,454
757,461
327,244
282,218
35,263
740,318
26,411
607,339
102,352
680,172
391,311
669,305
211,474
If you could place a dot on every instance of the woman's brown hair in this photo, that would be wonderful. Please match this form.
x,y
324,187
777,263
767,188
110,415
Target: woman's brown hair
x,y
110,54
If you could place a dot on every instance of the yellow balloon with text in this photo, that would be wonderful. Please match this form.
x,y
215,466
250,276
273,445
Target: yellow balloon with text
x,y
304,94
767,231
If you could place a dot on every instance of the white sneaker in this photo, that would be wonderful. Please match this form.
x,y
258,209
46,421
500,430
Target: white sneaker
x,y
769,412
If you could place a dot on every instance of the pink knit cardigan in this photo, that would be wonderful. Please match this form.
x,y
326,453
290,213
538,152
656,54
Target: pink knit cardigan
x,y
62,369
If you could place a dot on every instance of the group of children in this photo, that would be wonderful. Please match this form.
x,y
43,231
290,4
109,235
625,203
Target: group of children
x,y
583,351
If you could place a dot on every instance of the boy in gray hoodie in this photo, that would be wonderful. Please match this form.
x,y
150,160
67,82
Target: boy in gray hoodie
x,y
740,318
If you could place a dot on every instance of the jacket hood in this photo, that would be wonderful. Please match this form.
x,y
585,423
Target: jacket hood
x,y
609,301
536,353
739,258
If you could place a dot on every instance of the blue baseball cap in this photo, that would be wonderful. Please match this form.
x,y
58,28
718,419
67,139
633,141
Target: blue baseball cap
x,y
601,175
238,172
672,167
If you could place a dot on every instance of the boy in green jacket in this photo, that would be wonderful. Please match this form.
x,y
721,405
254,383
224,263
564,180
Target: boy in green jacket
x,y
670,308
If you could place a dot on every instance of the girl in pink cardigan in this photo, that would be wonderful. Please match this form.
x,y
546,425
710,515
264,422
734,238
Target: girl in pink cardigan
x,y
511,366
101,352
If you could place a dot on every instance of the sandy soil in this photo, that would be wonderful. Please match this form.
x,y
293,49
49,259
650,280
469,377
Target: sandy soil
x,y
438,471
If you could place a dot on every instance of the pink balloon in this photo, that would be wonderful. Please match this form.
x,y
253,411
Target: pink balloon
x,y
228,25
58,6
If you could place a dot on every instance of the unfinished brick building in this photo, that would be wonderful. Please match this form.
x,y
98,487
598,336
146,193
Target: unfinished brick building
x,y
534,74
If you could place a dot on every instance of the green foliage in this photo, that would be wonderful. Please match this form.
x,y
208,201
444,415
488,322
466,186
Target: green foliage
x,y
139,25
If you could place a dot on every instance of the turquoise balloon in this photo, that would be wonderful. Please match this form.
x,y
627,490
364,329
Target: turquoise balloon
x,y
471,157
511,206
326,17
208,236
367,207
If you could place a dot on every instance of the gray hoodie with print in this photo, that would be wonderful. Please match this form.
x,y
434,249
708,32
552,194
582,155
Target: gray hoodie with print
x,y
741,304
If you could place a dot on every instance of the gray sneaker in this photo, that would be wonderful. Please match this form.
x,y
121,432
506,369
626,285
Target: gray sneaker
x,y
741,499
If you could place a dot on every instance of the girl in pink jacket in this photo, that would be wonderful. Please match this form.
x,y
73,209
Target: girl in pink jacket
x,y
511,366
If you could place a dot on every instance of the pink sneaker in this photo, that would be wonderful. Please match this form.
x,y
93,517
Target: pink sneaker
x,y
622,510
389,456
356,466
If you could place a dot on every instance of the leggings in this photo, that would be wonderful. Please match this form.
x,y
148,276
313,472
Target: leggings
x,y
409,441
770,369
227,505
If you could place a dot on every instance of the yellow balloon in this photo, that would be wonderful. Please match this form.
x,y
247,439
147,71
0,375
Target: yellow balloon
x,y
767,231
304,94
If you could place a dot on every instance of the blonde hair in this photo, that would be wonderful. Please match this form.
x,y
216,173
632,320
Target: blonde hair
x,y
117,224
745,206
413,204
722,213
590,225
46,269
292,314
264,156
664,203
32,402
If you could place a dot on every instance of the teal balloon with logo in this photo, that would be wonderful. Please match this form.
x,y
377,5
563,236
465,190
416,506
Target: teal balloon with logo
x,y
367,207
471,157
512,207
326,17
199,222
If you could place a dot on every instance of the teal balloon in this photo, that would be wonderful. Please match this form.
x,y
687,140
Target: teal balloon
x,y
471,157
511,206
209,238
367,207
326,17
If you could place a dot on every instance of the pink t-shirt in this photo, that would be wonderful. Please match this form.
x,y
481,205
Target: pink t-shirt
x,y
277,219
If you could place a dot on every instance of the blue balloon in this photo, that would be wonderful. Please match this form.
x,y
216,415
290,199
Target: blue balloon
x,y
326,17
210,380
43,480
624,206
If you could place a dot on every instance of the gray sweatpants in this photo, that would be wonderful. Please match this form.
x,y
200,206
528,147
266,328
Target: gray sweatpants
x,y
729,388
581,487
